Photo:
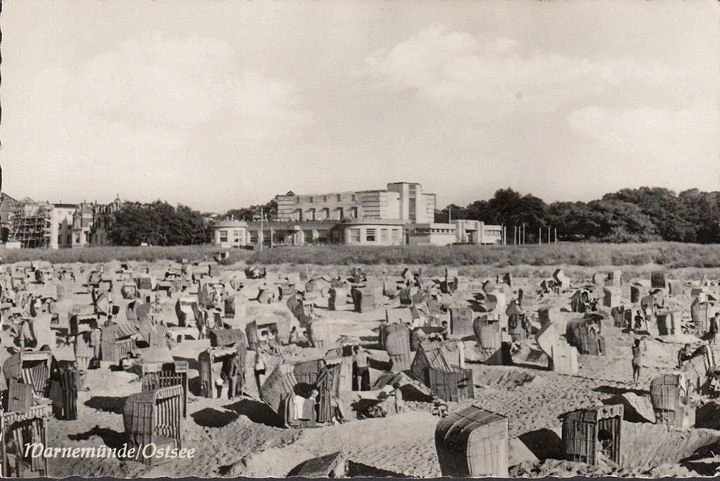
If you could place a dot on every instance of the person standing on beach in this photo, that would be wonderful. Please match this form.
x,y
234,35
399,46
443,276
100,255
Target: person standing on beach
x,y
637,354
259,367
714,321
362,373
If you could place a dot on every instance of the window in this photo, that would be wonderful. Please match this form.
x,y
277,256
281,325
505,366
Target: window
x,y
339,197
355,235
370,235
69,238
59,239
384,235
396,235
223,236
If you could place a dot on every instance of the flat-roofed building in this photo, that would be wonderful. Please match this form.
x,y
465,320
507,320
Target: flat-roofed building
x,y
369,232
455,232
311,207
400,200
231,233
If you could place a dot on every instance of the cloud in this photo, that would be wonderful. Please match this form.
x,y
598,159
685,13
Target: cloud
x,y
451,67
148,114
647,130
183,83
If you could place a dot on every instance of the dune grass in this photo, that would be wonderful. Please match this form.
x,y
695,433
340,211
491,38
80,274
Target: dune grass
x,y
670,255
664,254
109,253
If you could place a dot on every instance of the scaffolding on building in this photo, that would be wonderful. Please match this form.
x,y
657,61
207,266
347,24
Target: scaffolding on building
x,y
31,224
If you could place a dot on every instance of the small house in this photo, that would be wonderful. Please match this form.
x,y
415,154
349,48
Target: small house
x,y
153,417
29,367
699,315
614,278
657,280
324,377
323,333
163,374
64,391
585,335
23,429
488,333
450,283
282,391
267,327
612,296
473,442
588,435
670,398
637,292
668,322
451,383
580,301
363,299
210,366
461,322
117,341
337,299
402,315
698,368
396,341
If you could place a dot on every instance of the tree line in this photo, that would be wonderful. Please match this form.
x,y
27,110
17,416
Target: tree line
x,y
159,224
628,215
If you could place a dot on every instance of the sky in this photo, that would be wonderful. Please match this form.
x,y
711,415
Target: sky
x,y
220,104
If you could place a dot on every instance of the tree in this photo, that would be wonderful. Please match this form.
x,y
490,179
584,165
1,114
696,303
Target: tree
x,y
619,221
450,212
249,213
157,223
701,213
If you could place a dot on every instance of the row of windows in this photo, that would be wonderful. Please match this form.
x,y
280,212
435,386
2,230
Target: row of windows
x,y
323,198
371,235
69,239
224,236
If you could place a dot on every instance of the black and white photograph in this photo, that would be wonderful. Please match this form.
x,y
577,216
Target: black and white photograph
x,y
359,238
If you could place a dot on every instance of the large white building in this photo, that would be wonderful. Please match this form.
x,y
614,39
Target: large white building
x,y
404,201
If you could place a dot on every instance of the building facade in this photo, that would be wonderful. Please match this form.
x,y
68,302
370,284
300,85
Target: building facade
x,y
399,201
61,225
82,224
398,215
371,232
231,233
103,215
456,232
34,224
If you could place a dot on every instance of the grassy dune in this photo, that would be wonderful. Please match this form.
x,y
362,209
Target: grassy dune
x,y
665,254
106,254
670,255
